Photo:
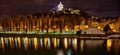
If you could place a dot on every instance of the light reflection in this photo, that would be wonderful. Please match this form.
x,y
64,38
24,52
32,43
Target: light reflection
x,y
54,42
74,43
41,42
6,41
2,42
16,43
29,41
25,42
19,42
47,42
11,39
116,46
109,44
35,43
81,45
69,40
66,43
58,42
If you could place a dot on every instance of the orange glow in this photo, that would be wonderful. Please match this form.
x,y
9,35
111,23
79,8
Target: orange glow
x,y
114,30
109,44
45,42
0,27
26,42
2,40
66,28
77,26
111,26
75,43
66,43
11,42
54,26
35,43
54,42
19,42
49,30
99,27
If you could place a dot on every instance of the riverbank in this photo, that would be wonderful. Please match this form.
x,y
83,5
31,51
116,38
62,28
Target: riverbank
x,y
82,36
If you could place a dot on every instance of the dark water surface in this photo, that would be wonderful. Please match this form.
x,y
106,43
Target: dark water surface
x,y
58,46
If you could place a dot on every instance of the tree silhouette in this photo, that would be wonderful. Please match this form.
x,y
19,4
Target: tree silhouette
x,y
106,29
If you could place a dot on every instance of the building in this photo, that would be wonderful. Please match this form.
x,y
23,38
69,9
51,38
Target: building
x,y
64,21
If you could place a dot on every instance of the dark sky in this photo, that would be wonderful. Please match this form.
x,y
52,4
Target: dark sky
x,y
92,7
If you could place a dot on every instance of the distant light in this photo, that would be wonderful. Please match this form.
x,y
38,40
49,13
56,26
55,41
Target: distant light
x,y
60,7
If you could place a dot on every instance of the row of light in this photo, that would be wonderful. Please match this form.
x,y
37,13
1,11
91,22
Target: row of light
x,y
44,42
17,42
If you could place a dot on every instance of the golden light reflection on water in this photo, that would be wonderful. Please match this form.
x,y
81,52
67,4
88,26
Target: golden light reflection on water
x,y
66,43
109,44
47,42
2,42
19,42
116,46
58,42
74,42
25,40
54,41
35,43
11,39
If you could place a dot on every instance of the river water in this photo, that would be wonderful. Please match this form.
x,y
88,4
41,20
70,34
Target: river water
x,y
58,46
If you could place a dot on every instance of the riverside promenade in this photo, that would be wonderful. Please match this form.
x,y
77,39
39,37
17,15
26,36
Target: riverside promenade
x,y
82,36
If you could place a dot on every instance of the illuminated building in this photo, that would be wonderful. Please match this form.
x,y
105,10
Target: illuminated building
x,y
66,21
60,7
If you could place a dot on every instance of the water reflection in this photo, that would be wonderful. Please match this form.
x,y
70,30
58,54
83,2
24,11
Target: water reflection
x,y
2,42
41,42
66,43
6,41
109,44
70,44
54,41
35,43
60,52
74,43
25,42
115,47
81,45
47,42
11,40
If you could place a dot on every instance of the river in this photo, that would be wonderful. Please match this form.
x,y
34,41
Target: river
x,y
58,46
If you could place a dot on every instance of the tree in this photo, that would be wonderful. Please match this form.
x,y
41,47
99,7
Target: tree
x,y
106,28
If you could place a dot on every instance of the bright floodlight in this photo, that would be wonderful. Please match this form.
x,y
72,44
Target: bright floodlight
x,y
60,7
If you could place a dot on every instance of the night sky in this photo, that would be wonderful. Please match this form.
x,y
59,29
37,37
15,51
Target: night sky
x,y
92,7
